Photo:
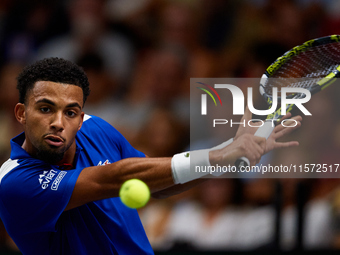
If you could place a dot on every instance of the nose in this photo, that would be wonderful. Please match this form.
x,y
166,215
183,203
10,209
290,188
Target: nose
x,y
57,121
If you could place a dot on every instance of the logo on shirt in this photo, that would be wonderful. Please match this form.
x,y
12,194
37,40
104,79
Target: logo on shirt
x,y
57,180
46,178
106,162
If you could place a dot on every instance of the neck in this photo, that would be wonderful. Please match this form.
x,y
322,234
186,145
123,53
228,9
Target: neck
x,y
68,157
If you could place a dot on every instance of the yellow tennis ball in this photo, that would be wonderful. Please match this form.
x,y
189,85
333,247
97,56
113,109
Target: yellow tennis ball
x,y
134,193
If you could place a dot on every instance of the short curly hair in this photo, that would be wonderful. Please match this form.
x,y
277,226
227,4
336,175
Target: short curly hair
x,y
54,70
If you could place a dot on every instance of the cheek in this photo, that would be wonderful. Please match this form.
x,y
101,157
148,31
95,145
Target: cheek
x,y
35,124
72,129
74,132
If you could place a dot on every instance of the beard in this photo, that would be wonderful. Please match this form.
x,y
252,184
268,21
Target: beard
x,y
50,156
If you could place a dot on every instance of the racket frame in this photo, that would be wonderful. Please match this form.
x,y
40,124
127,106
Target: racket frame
x,y
266,129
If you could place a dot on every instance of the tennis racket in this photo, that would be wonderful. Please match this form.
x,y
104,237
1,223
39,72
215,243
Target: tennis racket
x,y
313,65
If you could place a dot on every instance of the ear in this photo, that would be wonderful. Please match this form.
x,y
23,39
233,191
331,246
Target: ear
x,y
19,111
81,121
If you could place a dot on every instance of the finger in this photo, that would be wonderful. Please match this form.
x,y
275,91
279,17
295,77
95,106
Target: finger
x,y
288,115
296,120
256,124
290,121
252,147
280,130
254,158
286,126
286,144
259,148
293,120
260,140
247,114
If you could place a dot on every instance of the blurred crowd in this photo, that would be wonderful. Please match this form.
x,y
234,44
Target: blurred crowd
x,y
139,56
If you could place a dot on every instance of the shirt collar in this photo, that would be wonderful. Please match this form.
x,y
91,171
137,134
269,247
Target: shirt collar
x,y
17,152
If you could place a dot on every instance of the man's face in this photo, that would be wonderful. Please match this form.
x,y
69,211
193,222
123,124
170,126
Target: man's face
x,y
51,117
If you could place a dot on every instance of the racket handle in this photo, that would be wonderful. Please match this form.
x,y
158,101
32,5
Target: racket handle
x,y
263,131
242,161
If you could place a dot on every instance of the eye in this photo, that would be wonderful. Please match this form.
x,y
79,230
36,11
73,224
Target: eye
x,y
45,109
71,113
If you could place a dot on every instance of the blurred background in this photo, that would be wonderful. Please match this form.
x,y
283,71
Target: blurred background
x,y
139,56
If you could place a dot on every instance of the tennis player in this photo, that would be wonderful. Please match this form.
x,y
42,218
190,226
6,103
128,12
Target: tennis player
x,y
59,188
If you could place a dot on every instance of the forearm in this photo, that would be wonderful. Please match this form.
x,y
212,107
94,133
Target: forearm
x,y
155,172
101,182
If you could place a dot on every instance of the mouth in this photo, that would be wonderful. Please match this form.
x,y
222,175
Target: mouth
x,y
54,140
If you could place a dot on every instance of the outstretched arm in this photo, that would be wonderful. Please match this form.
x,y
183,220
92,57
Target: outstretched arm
x,y
101,182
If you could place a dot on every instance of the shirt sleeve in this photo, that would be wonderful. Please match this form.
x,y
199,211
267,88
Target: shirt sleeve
x,y
35,195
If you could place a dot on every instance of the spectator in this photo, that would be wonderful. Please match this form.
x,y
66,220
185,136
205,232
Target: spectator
x,y
90,33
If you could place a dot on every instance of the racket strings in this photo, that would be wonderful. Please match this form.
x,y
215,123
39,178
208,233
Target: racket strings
x,y
305,69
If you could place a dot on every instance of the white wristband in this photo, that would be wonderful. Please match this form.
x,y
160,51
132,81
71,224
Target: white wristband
x,y
188,166
183,165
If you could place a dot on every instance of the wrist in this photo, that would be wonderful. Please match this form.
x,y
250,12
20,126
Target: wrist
x,y
186,165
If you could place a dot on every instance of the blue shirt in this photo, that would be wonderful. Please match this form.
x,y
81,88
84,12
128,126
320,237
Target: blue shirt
x,y
34,194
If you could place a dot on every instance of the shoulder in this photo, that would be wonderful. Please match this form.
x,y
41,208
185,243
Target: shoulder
x,y
92,120
96,126
98,132
19,176
7,167
20,169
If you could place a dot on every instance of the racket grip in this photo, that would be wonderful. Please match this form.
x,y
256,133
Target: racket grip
x,y
263,131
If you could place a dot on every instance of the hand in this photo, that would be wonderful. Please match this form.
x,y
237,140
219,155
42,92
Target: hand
x,y
280,131
246,145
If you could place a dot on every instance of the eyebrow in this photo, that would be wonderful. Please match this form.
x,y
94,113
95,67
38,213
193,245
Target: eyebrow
x,y
47,101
